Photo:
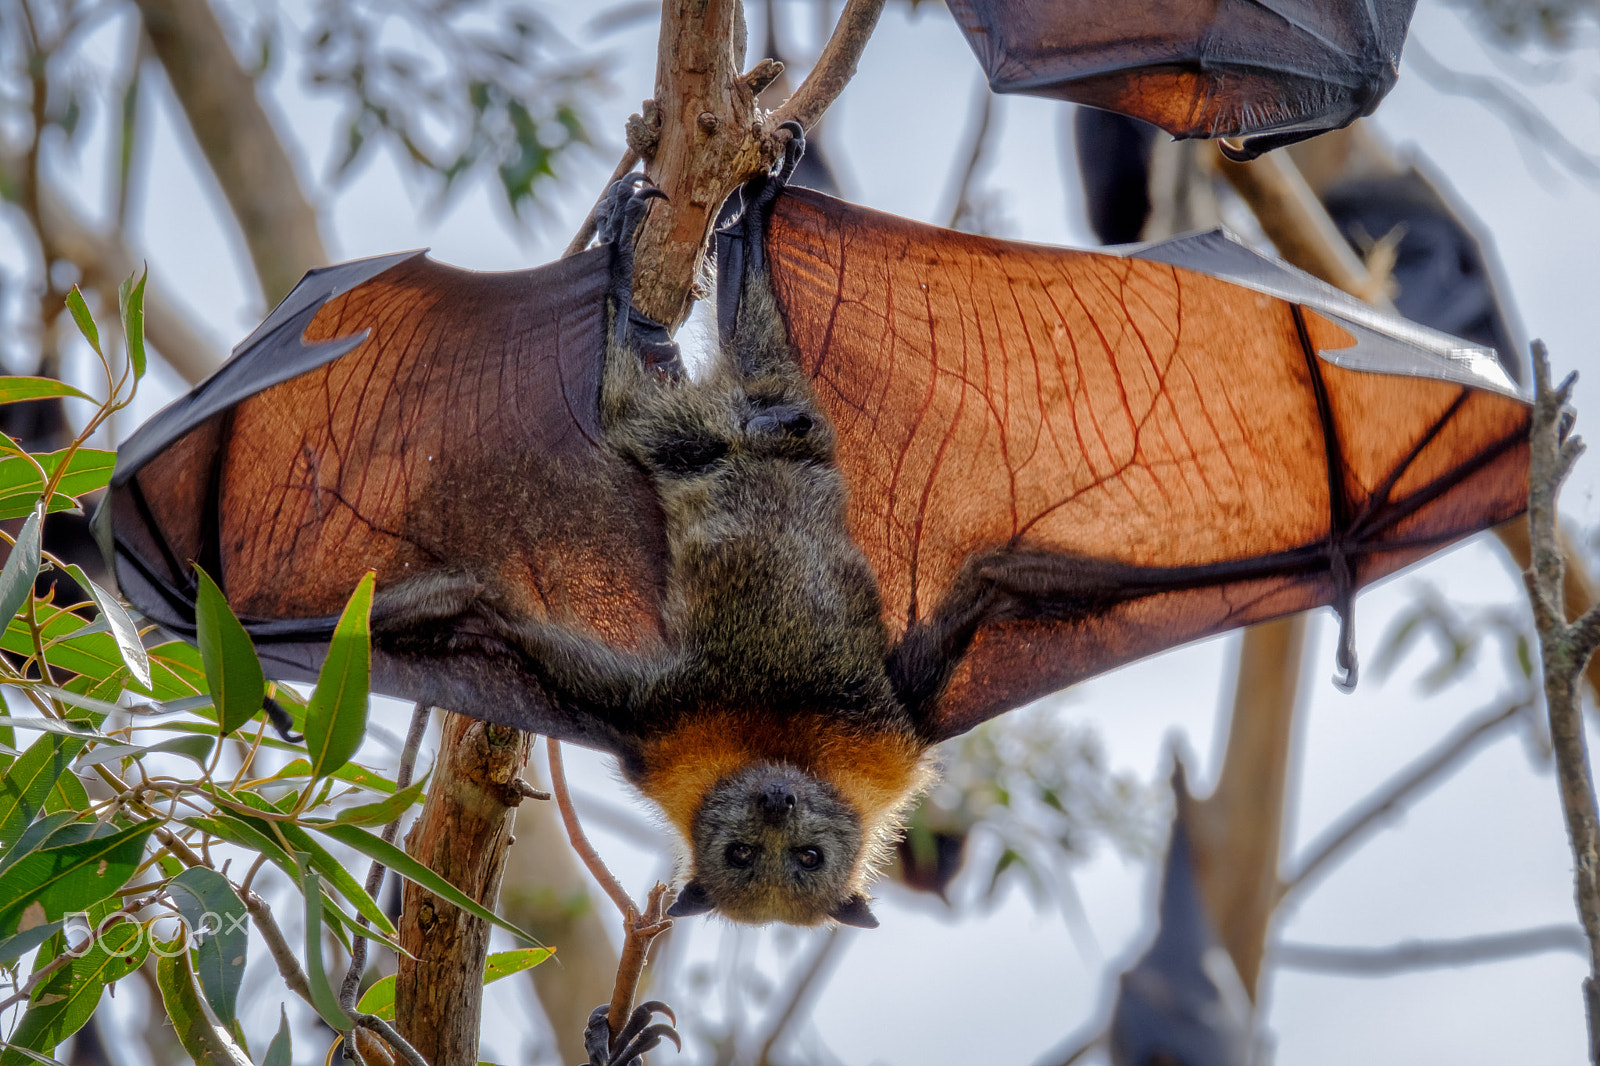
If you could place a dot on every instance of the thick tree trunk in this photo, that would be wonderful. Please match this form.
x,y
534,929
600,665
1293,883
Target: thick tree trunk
x,y
245,153
463,834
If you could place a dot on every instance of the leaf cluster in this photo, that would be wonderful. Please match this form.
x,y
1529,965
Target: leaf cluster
x,y
130,765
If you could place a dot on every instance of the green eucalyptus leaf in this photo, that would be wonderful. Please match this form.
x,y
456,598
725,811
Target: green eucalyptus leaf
x,y
22,567
196,749
220,926
64,1002
85,321
130,298
383,811
88,469
31,781
19,389
207,1043
52,881
120,625
322,997
233,672
281,1051
374,847
336,717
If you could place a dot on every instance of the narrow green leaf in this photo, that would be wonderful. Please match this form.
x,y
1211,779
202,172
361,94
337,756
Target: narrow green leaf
x,y
374,847
29,783
121,626
207,1043
233,671
22,567
197,749
331,868
503,964
379,998
322,997
80,315
20,487
52,725
18,389
234,830
383,811
13,948
52,881
36,835
220,926
336,718
63,1003
280,1052
130,298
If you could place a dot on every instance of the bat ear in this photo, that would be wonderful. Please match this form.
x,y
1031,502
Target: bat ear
x,y
692,900
854,911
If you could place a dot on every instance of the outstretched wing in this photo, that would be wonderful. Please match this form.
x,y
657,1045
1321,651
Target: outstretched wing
x,y
1172,454
406,417
1277,71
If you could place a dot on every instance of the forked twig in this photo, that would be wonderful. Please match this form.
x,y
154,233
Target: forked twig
x,y
638,929
1564,650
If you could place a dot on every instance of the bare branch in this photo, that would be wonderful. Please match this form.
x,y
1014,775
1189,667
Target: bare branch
x,y
983,108
1075,1048
239,142
1403,787
821,962
1564,657
1411,955
575,833
835,66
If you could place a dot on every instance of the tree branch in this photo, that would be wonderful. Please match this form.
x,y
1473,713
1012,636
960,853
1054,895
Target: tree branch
x,y
239,142
639,929
1563,656
1421,773
1411,955
820,964
707,137
835,66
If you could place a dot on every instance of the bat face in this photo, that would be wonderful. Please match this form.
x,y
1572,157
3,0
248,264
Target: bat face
x,y
773,843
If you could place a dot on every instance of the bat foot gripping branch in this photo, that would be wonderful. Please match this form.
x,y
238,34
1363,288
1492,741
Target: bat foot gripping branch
x,y
636,1037
742,237
617,219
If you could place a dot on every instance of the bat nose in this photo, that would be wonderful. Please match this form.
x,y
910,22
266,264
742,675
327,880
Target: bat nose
x,y
775,803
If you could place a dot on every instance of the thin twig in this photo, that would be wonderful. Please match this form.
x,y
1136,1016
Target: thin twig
x,y
402,781
983,108
1411,955
1421,773
1564,650
835,66
580,842
585,234
294,978
638,929
1075,1048
821,962
394,1039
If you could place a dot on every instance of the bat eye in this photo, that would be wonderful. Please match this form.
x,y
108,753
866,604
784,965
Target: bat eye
x,y
740,855
808,858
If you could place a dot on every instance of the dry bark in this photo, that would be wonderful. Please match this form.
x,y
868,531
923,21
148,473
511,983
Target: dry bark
x,y
702,135
239,142
462,834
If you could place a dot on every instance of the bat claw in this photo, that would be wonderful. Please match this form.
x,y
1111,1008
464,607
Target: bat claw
x,y
637,1036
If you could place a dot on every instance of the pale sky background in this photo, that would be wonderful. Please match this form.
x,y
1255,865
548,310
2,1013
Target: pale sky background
x,y
1486,852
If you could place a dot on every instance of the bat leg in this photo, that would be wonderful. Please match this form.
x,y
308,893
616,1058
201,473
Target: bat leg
x,y
637,1036
617,221
427,598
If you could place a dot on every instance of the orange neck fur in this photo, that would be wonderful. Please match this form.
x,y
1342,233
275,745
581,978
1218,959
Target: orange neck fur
x,y
877,773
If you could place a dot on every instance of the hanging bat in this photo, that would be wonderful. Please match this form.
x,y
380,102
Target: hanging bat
x,y
930,477
1274,71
